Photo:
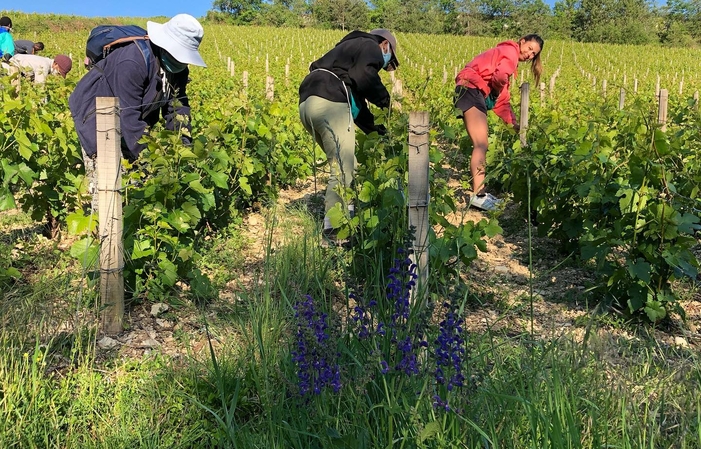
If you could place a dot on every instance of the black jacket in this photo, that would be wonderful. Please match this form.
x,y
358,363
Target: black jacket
x,y
356,60
142,99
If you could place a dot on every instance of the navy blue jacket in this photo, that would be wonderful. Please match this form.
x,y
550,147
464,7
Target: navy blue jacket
x,y
142,99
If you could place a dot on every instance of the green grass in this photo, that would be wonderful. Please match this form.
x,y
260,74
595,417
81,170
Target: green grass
x,y
613,389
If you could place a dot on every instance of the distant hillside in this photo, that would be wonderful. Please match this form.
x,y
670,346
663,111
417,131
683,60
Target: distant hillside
x,y
24,24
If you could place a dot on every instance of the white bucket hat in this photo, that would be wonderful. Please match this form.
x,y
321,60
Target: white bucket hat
x,y
180,36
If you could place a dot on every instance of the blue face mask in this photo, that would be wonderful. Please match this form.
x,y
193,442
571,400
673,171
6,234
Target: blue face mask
x,y
171,64
386,56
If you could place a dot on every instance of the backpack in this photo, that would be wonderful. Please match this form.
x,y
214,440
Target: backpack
x,y
105,38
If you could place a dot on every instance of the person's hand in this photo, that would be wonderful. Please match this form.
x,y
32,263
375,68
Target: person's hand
x,y
517,127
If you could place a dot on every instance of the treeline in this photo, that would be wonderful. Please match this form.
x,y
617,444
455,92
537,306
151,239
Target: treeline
x,y
678,23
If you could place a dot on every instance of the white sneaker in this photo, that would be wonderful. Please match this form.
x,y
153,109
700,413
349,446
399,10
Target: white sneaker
x,y
485,201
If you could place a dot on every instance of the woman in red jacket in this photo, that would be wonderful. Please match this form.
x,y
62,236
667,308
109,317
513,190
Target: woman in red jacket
x,y
483,85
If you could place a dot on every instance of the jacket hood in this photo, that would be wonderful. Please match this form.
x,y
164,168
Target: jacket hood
x,y
513,44
3,30
361,34
393,64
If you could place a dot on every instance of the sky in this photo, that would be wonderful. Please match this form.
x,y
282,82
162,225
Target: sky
x,y
122,8
115,8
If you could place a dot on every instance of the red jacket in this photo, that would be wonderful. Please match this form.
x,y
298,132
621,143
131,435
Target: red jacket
x,y
490,71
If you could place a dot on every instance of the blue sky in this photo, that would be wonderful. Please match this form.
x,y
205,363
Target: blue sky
x,y
127,8
120,8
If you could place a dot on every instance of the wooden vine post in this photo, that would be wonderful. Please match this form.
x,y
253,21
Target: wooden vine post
x,y
523,120
696,100
662,110
269,88
109,184
552,86
419,197
657,86
621,99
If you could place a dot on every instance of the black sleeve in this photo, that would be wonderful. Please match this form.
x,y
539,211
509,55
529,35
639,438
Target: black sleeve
x,y
366,121
365,78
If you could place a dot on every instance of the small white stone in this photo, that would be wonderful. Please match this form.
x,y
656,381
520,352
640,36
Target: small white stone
x,y
150,343
501,269
681,342
159,308
165,324
107,343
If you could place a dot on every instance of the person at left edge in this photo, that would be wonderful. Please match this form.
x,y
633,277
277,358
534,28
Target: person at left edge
x,y
7,43
144,95
332,100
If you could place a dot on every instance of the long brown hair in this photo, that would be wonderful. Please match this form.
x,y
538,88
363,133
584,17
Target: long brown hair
x,y
536,64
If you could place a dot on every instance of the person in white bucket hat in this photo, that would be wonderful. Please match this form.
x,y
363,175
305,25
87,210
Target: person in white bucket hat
x,y
180,37
149,81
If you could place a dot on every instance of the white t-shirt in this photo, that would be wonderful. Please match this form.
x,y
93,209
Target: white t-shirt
x,y
39,66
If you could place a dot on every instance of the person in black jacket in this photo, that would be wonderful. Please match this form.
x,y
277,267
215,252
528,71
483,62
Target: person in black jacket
x,y
332,100
148,85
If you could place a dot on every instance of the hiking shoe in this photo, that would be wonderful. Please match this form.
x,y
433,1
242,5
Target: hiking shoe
x,y
485,201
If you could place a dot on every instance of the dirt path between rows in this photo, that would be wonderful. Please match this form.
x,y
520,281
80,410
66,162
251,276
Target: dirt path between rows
x,y
500,280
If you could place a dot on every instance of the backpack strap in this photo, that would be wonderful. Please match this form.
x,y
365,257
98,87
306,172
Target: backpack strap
x,y
145,49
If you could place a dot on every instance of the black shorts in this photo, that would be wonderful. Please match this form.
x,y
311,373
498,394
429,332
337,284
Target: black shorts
x,y
467,97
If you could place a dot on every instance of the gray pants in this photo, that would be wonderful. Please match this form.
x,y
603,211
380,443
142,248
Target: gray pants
x,y
329,123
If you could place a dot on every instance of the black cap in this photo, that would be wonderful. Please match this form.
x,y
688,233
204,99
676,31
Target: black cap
x,y
5,22
393,63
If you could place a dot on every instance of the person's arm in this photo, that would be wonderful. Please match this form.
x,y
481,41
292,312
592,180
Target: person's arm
x,y
468,76
366,121
365,79
504,69
171,112
502,107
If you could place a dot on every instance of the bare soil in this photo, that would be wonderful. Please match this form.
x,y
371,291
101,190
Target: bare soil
x,y
547,299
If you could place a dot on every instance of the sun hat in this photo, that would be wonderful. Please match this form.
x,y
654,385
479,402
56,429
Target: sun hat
x,y
64,64
180,36
393,63
5,22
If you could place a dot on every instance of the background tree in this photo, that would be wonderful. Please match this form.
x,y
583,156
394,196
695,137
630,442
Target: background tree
x,y
466,18
340,14
287,13
677,23
530,16
614,21
563,16
240,11
681,23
